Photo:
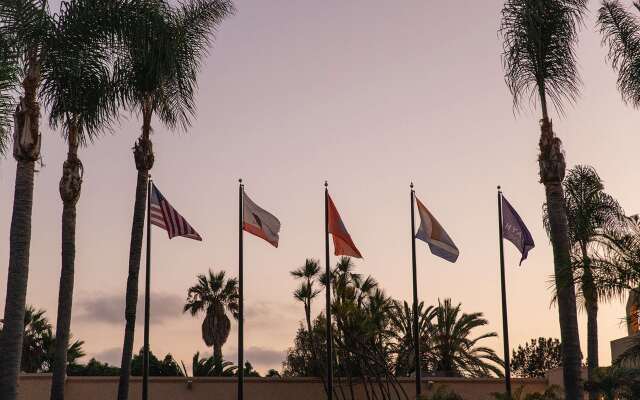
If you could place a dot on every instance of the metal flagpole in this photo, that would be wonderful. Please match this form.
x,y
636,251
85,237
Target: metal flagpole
x,y
241,295
416,330
505,323
147,299
328,295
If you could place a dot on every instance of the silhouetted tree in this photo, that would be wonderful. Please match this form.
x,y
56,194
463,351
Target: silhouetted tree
x,y
536,358
539,59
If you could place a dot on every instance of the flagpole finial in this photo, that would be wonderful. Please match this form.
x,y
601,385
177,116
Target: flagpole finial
x,y
411,185
326,184
240,180
499,188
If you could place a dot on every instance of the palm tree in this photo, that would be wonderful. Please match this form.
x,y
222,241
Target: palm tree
x,y
216,296
39,343
77,89
539,59
36,327
306,292
157,68
453,349
401,330
615,382
212,366
591,215
27,22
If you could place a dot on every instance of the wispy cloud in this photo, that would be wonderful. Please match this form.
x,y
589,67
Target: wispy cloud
x,y
260,356
112,355
109,308
263,315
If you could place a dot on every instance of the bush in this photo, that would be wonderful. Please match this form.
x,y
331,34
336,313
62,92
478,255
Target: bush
x,y
442,393
92,368
551,393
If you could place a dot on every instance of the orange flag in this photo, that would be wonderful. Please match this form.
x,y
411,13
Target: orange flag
x,y
342,243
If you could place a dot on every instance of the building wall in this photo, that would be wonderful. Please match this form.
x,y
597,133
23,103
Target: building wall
x,y
36,387
621,345
554,378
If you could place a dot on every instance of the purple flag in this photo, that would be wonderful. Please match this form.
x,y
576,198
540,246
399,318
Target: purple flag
x,y
515,231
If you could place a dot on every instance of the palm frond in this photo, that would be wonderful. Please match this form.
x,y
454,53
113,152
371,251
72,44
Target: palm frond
x,y
621,34
161,54
539,40
8,83
76,77
29,23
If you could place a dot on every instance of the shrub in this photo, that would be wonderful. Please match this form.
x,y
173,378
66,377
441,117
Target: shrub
x,y
442,393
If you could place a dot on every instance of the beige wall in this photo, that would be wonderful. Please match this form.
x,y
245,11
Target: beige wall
x,y
36,387
554,378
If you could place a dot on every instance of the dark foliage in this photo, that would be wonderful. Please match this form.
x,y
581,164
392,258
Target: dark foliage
x,y
92,368
38,345
536,358
165,367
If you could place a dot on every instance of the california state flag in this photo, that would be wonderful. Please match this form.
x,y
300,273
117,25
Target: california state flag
x,y
342,243
259,222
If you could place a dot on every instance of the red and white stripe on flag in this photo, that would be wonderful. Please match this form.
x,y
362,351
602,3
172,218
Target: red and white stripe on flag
x,y
164,216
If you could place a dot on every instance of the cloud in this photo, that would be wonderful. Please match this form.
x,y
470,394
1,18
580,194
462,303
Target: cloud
x,y
112,355
109,308
263,315
260,357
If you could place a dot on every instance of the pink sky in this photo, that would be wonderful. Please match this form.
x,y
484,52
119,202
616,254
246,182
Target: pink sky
x,y
369,95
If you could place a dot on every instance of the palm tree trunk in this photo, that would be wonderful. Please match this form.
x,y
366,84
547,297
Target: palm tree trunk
x,y
143,154
591,305
307,312
592,344
552,169
26,151
70,187
217,352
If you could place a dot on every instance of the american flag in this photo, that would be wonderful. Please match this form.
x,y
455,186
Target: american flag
x,y
167,218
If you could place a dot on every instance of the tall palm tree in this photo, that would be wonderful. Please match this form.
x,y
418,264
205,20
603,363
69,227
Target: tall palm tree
x,y
591,215
157,68
77,89
216,296
28,22
454,351
539,59
306,292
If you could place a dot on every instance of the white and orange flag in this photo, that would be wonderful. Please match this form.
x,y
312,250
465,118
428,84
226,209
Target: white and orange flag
x,y
435,236
342,243
259,222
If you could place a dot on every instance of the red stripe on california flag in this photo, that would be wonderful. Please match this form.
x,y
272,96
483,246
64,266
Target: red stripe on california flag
x,y
254,230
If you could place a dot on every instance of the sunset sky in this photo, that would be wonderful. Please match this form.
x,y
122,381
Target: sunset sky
x,y
369,95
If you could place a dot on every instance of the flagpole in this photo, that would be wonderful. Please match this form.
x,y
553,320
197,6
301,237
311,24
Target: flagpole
x,y
147,299
328,295
416,330
241,294
505,323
